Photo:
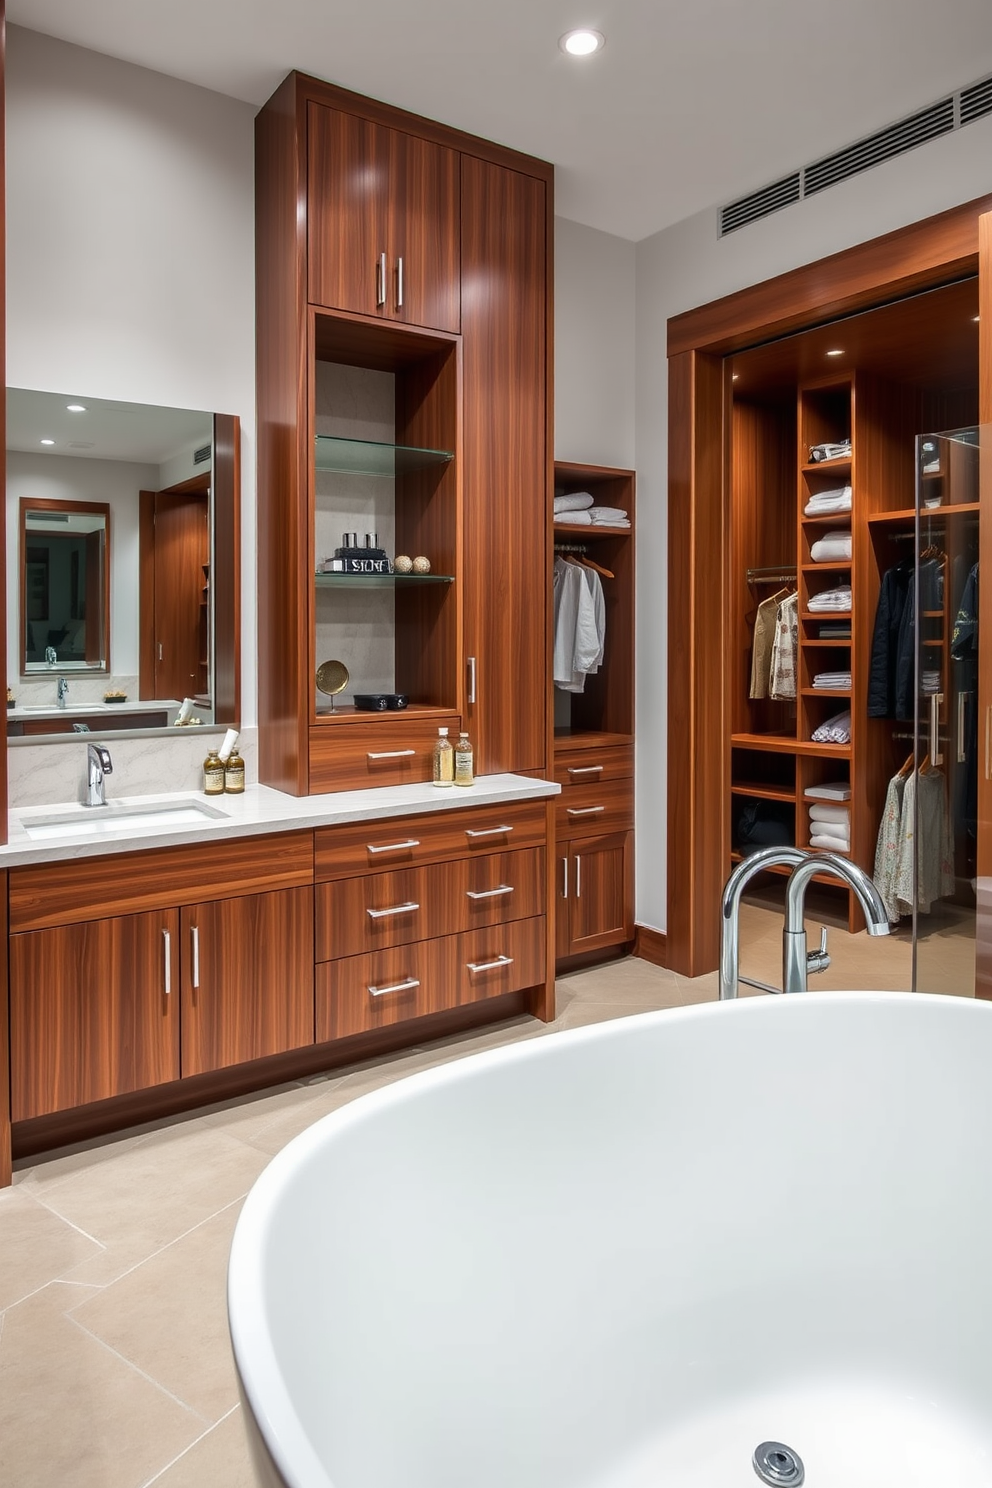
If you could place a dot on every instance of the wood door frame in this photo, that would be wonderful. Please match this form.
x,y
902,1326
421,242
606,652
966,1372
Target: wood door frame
x,y
925,255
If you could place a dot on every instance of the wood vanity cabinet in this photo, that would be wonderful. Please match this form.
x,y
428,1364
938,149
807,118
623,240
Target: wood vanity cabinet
x,y
594,820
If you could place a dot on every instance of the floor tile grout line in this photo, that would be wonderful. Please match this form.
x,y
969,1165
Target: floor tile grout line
x,y
186,1450
78,1228
137,1369
92,1286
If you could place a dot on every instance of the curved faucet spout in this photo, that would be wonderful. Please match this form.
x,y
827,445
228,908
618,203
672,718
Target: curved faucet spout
x,y
768,857
794,962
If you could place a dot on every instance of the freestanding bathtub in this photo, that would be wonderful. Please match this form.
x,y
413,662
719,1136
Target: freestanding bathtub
x,y
622,1257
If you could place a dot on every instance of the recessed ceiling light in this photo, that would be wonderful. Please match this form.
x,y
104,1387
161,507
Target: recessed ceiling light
x,y
582,43
835,353
76,407
48,441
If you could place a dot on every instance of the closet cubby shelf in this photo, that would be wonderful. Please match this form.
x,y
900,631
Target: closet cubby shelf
x,y
377,581
826,567
369,457
828,467
826,692
908,514
347,713
761,792
569,529
789,744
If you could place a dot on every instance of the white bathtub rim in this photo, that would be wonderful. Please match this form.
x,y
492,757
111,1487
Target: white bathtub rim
x,y
255,1357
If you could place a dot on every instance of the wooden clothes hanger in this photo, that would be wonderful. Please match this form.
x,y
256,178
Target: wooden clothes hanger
x,y
590,564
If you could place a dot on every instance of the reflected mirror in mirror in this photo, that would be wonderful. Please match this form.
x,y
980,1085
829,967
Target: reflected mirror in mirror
x,y
123,629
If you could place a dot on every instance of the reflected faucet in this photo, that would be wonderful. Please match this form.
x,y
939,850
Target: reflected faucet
x,y
51,656
98,764
797,963
62,691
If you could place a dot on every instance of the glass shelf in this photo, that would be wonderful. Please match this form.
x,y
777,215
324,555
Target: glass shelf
x,y
365,457
377,580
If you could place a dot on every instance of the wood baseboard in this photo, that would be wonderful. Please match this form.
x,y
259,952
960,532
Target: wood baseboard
x,y
651,945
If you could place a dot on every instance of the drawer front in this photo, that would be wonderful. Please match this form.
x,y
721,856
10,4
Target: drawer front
x,y
377,910
594,766
361,993
354,756
411,841
584,809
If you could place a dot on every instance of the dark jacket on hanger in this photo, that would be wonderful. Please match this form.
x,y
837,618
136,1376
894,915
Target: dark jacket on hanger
x,y
886,654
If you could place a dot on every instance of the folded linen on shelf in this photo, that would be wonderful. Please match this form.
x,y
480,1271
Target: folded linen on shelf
x,y
822,503
834,681
838,815
831,844
609,516
838,630
832,547
836,450
574,501
834,730
573,518
831,599
831,790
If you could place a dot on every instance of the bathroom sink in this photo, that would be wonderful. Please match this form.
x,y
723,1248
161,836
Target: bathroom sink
x,y
55,710
99,821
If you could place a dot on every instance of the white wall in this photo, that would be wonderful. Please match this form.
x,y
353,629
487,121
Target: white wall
x,y
594,346
688,265
130,247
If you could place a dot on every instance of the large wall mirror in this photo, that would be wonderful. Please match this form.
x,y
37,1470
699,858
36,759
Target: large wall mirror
x,y
122,565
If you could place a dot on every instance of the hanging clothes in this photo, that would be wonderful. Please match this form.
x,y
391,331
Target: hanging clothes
x,y
887,847
785,650
580,624
914,862
964,658
761,647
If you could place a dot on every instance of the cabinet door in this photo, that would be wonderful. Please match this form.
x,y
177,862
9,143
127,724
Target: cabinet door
x,y
247,978
504,307
347,186
94,1011
423,285
600,892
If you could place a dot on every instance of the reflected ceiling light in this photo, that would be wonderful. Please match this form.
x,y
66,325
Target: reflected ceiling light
x,y
735,377
835,353
582,43
75,408
48,441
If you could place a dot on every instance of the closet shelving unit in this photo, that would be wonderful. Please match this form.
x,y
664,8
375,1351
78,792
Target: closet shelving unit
x,y
594,743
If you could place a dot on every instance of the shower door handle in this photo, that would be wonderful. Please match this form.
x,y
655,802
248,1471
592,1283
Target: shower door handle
x,y
936,758
962,752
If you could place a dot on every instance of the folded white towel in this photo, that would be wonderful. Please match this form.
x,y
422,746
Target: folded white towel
x,y
574,501
825,498
825,502
831,790
835,730
608,514
832,547
574,518
831,844
840,815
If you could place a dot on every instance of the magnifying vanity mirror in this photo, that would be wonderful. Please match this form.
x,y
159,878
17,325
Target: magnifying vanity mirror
x,y
122,570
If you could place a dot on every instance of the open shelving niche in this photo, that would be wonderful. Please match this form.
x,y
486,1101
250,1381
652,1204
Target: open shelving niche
x,y
384,461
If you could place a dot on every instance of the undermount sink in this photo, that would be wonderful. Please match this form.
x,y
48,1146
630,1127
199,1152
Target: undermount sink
x,y
55,710
98,821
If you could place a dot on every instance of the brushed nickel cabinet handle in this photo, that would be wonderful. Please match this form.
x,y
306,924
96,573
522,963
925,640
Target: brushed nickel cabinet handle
x,y
489,893
167,949
584,810
195,932
489,965
390,754
564,864
936,758
392,846
471,679
380,280
487,831
962,749
578,877
379,914
406,986
585,769
399,284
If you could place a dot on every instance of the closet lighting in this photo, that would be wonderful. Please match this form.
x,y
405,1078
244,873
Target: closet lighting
x,y
582,43
835,353
48,441
75,408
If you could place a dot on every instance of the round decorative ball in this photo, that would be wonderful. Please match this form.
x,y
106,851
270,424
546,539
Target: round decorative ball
x,y
421,565
402,564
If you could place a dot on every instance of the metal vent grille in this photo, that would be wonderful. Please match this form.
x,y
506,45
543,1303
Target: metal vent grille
x,y
939,118
887,143
203,453
976,100
760,203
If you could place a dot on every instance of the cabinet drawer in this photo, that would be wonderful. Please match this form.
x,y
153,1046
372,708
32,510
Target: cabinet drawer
x,y
353,756
377,910
594,766
595,808
410,841
362,993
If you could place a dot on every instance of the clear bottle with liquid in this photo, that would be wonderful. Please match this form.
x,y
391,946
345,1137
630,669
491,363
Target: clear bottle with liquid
x,y
213,774
234,773
444,759
464,766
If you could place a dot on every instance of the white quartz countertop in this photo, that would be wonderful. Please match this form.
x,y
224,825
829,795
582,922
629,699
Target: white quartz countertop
x,y
258,811
27,711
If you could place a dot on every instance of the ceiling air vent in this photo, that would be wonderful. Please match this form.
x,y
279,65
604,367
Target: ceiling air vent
x,y
976,101
906,135
760,203
203,453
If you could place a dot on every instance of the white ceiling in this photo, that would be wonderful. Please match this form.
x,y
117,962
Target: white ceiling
x,y
107,430
688,105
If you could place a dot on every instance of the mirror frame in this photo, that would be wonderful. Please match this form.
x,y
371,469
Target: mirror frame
x,y
43,504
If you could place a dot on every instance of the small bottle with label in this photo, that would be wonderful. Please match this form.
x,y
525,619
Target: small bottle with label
x,y
464,770
444,759
234,773
213,774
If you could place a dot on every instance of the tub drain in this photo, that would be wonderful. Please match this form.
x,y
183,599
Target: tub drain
x,y
778,1464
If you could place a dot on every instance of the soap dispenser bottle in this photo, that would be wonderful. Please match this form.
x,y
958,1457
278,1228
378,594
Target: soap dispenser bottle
x,y
213,774
444,759
234,773
464,769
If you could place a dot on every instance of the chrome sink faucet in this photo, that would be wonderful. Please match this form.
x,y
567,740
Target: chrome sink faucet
x,y
98,764
797,962
62,691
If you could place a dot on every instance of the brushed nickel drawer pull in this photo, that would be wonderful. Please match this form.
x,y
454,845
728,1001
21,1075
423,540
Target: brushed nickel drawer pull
x,y
406,986
380,280
471,679
584,810
378,914
585,769
489,965
195,932
487,831
564,864
167,948
391,754
489,893
399,284
393,846
578,877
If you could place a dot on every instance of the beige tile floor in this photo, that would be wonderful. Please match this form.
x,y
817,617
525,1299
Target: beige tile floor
x,y
115,1365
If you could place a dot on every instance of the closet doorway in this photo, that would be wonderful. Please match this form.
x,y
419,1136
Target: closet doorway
x,y
901,311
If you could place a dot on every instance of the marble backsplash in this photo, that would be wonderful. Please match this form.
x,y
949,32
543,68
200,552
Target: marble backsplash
x,y
41,687
53,772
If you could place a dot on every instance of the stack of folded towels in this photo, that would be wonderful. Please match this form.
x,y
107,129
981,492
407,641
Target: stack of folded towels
x,y
830,827
835,730
579,509
832,547
824,502
831,599
833,681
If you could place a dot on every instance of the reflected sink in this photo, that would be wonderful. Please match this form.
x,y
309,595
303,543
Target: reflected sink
x,y
55,710
99,821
